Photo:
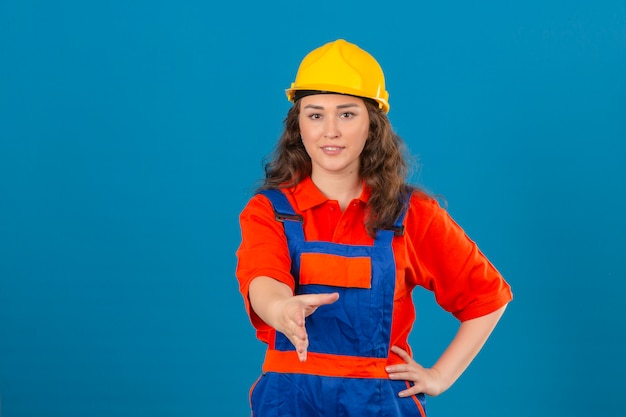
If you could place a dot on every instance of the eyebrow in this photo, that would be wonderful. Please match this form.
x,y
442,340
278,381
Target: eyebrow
x,y
341,106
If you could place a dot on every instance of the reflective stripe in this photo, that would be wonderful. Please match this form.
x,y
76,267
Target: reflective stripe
x,y
323,364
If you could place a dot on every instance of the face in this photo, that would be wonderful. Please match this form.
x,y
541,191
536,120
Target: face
x,y
334,128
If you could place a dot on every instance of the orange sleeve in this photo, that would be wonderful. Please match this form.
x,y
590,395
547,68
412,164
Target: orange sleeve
x,y
450,264
263,252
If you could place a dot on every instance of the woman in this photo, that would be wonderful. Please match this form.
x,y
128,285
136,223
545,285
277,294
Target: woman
x,y
332,247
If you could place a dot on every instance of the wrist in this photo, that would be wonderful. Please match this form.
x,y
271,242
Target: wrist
x,y
444,379
266,295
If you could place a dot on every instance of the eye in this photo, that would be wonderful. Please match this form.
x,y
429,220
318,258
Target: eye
x,y
347,115
314,116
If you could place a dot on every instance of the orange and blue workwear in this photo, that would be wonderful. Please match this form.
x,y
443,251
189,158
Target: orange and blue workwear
x,y
349,339
306,241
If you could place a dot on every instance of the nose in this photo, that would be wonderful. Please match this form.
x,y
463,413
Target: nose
x,y
331,130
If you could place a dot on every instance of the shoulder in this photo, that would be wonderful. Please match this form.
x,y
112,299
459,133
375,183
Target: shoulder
x,y
257,200
427,217
258,223
258,206
423,204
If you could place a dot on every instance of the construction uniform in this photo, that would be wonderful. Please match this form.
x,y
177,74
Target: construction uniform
x,y
304,240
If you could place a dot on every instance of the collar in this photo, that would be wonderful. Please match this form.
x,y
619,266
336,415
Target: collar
x,y
307,195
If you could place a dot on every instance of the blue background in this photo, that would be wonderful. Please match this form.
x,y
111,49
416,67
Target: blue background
x,y
132,134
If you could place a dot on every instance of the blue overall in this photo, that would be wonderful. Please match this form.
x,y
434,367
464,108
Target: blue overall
x,y
357,325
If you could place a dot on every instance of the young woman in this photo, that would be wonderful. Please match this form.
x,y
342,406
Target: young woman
x,y
332,247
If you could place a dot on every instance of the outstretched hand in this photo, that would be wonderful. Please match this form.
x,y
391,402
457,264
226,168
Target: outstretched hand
x,y
425,380
290,315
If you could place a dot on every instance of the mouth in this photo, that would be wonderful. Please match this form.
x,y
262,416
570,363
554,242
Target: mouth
x,y
332,148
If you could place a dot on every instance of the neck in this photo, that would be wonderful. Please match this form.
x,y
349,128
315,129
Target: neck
x,y
341,188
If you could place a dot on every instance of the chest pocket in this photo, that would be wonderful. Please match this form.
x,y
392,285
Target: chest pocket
x,y
335,271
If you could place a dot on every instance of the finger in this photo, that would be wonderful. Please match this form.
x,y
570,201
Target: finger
x,y
314,300
299,331
330,298
301,349
404,376
408,392
302,355
402,353
299,317
394,369
300,341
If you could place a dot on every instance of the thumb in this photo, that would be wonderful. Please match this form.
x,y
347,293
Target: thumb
x,y
327,298
312,301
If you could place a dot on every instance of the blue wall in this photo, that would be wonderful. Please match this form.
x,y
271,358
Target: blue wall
x,y
132,133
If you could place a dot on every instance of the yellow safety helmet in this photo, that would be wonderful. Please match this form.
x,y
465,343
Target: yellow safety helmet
x,y
341,67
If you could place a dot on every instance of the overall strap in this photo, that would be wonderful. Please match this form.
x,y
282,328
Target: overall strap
x,y
285,213
398,227
385,236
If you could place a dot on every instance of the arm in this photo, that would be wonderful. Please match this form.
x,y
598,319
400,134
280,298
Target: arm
x,y
470,338
275,304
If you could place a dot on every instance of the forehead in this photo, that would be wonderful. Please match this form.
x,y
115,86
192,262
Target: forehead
x,y
330,101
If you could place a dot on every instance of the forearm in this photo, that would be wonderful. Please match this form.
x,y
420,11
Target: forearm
x,y
263,294
469,340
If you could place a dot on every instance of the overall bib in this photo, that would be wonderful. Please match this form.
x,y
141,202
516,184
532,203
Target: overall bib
x,y
344,374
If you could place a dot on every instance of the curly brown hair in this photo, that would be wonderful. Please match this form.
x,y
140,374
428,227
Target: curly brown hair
x,y
383,166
